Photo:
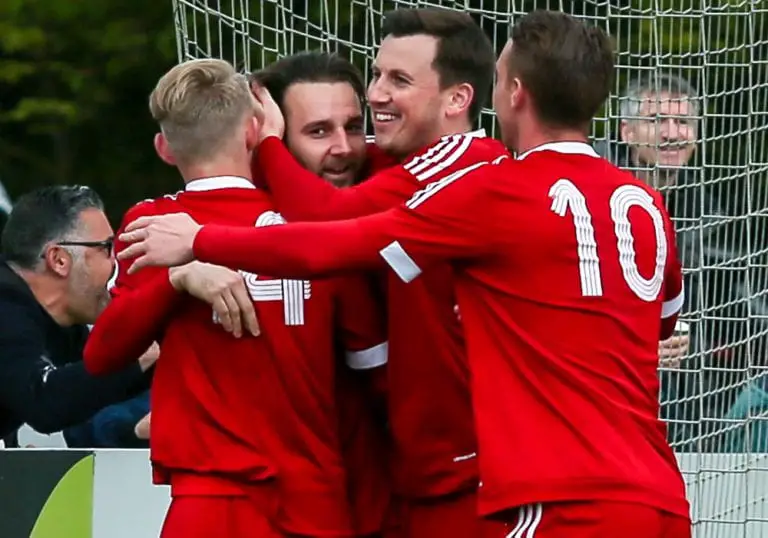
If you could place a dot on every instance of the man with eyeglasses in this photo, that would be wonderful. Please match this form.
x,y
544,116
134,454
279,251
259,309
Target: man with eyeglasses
x,y
56,261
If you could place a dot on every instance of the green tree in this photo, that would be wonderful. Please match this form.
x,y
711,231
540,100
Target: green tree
x,y
75,78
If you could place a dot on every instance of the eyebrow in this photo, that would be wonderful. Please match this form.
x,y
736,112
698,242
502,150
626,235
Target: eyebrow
x,y
393,72
316,124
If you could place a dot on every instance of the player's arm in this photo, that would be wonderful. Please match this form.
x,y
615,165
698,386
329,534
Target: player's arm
x,y
361,325
362,330
301,195
673,289
135,317
451,219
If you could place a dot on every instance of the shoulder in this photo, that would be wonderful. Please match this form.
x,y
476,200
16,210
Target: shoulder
x,y
150,207
452,153
21,314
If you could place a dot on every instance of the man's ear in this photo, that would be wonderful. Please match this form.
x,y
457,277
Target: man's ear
x,y
252,128
460,99
58,260
626,132
163,149
516,93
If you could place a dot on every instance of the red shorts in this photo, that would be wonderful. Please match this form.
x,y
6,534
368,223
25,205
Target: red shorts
x,y
220,516
444,517
596,519
203,506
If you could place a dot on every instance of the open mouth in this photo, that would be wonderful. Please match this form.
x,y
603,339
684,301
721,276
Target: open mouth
x,y
337,171
384,117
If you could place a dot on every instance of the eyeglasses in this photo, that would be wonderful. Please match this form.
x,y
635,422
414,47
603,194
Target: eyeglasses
x,y
107,244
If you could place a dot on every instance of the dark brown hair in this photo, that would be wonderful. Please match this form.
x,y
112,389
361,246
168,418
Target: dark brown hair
x,y
312,66
566,65
464,52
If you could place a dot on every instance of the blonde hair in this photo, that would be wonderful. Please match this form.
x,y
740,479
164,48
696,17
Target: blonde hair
x,y
200,105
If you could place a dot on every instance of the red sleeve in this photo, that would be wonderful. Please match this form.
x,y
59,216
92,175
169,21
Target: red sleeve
x,y
300,195
361,324
135,316
674,293
449,220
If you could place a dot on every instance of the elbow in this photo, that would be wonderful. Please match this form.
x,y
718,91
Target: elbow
x,y
667,327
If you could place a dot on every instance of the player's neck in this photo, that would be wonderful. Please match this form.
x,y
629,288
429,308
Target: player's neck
x,y
216,168
48,293
457,127
533,138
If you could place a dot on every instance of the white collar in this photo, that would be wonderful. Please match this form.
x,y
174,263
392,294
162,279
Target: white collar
x,y
219,182
571,148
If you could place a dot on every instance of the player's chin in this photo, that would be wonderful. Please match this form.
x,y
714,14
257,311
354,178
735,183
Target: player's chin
x,y
393,143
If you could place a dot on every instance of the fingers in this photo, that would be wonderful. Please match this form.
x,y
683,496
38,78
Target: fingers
x,y
133,236
247,311
227,312
670,363
139,264
133,251
139,223
673,350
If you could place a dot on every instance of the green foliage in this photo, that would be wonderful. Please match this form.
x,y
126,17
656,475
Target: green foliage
x,y
76,76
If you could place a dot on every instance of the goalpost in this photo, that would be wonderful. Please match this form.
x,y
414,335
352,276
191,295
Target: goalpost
x,y
716,400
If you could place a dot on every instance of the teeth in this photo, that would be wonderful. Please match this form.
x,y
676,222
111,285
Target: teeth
x,y
382,116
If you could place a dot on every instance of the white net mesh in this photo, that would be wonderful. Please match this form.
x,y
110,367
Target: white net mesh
x,y
716,400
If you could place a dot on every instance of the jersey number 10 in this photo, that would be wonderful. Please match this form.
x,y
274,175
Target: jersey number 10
x,y
565,195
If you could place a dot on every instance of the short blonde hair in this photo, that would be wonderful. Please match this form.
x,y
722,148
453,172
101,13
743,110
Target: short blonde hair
x,y
200,105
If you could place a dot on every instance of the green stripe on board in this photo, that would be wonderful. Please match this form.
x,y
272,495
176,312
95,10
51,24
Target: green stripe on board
x,y
68,511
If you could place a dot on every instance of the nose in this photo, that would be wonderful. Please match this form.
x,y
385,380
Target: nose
x,y
670,130
377,93
341,144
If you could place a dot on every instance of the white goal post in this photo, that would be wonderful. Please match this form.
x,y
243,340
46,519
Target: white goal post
x,y
715,400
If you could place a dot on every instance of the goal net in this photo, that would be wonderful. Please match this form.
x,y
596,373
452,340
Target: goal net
x,y
696,126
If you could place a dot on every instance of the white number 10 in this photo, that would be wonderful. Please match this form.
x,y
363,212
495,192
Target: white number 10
x,y
565,195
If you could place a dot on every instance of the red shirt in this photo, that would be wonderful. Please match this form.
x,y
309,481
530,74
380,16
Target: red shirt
x,y
429,406
248,408
567,277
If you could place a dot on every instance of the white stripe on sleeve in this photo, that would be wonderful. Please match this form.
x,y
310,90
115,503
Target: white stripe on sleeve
x,y
400,262
673,306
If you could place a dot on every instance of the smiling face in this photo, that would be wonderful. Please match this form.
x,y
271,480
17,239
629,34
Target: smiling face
x,y
324,129
407,103
662,135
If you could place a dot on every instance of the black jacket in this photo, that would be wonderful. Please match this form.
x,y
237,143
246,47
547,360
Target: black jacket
x,y
42,378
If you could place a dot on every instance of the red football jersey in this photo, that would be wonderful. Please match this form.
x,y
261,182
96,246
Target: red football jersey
x,y
253,407
429,407
567,277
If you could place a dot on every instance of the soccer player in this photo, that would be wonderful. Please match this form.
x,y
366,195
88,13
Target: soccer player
x,y
431,75
321,96
245,430
550,250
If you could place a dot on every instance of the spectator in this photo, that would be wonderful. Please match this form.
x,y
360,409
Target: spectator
x,y
659,134
56,261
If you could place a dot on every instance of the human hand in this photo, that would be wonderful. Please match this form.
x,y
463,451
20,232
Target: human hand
x,y
149,357
222,288
273,122
165,240
673,350
143,426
